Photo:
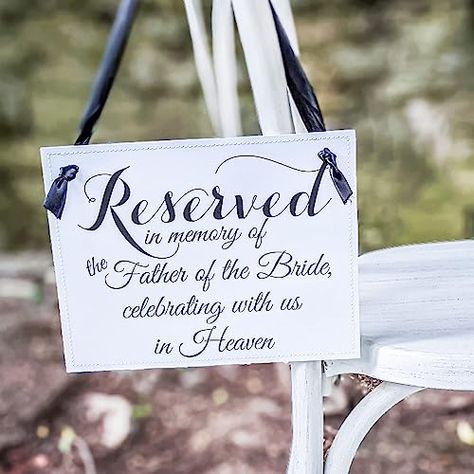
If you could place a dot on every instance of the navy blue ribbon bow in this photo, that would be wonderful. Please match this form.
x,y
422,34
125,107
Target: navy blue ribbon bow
x,y
56,198
340,182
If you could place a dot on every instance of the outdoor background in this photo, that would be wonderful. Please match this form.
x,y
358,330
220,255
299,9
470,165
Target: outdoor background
x,y
400,72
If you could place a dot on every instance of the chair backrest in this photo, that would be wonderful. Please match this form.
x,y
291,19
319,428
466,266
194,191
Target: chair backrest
x,y
276,114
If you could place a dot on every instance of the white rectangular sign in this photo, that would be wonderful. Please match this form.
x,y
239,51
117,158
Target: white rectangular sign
x,y
205,252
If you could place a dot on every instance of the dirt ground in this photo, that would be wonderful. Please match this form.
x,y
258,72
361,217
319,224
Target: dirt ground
x,y
202,421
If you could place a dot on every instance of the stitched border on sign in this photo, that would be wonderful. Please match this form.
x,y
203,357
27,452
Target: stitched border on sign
x,y
243,141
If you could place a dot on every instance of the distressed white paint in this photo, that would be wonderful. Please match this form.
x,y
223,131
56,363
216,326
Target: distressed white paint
x,y
417,303
417,316
225,67
268,81
417,327
264,64
203,60
283,9
266,73
360,421
306,455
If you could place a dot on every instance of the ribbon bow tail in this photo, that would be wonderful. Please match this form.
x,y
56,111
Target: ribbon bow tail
x,y
55,200
341,184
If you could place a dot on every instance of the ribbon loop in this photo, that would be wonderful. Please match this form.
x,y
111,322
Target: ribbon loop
x,y
56,198
340,182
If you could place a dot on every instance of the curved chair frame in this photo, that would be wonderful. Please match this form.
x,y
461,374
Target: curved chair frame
x,y
359,422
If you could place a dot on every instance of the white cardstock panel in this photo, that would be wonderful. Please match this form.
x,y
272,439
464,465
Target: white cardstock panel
x,y
124,315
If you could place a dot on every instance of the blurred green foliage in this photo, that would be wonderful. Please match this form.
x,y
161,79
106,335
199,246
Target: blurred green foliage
x,y
399,72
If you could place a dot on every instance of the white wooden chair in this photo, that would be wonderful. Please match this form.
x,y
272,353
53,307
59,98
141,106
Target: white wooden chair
x,y
417,302
276,115
417,329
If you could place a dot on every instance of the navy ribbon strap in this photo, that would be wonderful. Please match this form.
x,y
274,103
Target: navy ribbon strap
x,y
340,182
56,198
108,69
298,84
307,104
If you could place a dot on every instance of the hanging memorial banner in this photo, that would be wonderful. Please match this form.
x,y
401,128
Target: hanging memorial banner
x,y
205,252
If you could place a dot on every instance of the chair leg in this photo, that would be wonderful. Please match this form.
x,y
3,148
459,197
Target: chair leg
x,y
307,415
359,422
